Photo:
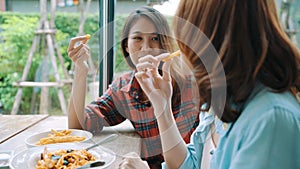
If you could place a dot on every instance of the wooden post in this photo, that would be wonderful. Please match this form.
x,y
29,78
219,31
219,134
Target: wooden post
x,y
44,100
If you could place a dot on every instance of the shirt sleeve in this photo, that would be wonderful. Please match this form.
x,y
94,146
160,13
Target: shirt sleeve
x,y
198,139
193,157
102,112
271,142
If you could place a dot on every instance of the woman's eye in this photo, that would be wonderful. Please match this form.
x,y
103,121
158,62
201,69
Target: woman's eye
x,y
155,38
137,38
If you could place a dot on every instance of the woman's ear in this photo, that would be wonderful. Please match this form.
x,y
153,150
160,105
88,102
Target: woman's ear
x,y
126,46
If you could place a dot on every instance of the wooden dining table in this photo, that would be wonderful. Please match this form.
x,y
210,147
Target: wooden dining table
x,y
14,129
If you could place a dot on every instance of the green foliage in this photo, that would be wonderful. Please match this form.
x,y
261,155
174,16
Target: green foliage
x,y
16,34
7,91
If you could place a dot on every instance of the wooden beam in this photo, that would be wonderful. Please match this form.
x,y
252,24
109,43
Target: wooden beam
x,y
38,84
45,31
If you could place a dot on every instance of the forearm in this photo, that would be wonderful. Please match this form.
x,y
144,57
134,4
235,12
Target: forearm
x,y
77,101
174,148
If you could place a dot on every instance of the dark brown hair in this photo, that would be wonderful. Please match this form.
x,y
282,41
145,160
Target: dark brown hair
x,y
250,43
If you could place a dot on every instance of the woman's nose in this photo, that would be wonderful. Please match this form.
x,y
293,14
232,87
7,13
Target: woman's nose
x,y
146,45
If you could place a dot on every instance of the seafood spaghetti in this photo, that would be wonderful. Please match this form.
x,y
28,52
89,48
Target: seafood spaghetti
x,y
64,159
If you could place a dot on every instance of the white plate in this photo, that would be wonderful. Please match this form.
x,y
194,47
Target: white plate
x,y
28,159
33,139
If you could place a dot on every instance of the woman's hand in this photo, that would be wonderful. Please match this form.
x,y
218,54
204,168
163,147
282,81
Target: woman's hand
x,y
133,161
157,87
79,54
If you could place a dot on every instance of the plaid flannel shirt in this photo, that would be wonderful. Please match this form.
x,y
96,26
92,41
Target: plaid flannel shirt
x,y
121,101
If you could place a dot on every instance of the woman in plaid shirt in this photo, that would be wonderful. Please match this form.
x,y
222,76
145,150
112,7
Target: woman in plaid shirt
x,y
145,32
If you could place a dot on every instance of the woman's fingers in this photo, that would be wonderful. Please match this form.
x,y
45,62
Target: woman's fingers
x,y
144,66
133,161
148,58
150,63
155,60
166,71
74,51
162,56
141,78
147,70
74,40
81,50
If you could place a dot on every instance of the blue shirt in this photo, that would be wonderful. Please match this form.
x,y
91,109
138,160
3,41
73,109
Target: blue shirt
x,y
265,136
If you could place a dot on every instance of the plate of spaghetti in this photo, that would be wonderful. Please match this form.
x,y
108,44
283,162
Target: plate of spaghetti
x,y
61,156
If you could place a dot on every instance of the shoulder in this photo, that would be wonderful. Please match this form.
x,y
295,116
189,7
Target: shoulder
x,y
269,110
268,124
266,100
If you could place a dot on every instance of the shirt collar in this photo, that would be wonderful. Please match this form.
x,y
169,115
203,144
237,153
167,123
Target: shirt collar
x,y
221,127
132,83
133,88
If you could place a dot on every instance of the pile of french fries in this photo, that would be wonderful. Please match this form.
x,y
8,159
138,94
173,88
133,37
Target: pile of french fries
x,y
60,137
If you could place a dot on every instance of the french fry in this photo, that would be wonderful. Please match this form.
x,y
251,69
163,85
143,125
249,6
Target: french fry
x,y
88,36
60,139
172,55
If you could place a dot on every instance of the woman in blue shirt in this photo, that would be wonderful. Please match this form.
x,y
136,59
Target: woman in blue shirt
x,y
248,74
